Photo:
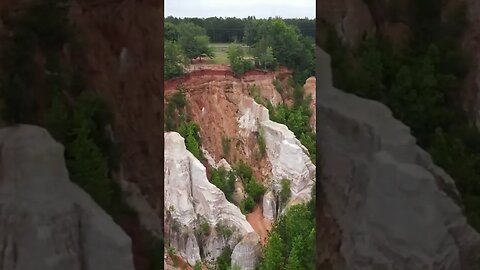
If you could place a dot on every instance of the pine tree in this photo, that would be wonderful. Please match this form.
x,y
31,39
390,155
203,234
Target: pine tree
x,y
273,257
293,262
86,164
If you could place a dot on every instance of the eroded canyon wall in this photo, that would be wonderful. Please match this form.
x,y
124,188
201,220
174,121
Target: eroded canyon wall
x,y
47,222
392,207
191,200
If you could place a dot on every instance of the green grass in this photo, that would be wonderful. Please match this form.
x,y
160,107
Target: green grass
x,y
220,51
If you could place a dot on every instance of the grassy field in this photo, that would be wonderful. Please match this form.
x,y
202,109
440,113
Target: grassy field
x,y
220,51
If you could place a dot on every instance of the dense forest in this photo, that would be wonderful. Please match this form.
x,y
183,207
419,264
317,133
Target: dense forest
x,y
226,30
420,83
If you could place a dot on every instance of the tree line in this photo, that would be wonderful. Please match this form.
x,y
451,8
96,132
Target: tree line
x,y
274,42
227,30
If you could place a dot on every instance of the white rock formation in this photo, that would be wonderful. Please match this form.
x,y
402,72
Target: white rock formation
x,y
395,208
269,205
222,163
244,256
289,158
189,194
47,222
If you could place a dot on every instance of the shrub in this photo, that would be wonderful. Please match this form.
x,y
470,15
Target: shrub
x,y
285,192
224,230
247,205
255,190
278,86
204,227
225,181
261,143
190,131
224,260
243,171
197,266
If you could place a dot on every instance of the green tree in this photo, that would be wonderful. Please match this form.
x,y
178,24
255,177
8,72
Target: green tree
x,y
243,171
263,54
293,262
174,60
171,32
236,56
247,205
193,40
273,254
255,189
86,164
308,140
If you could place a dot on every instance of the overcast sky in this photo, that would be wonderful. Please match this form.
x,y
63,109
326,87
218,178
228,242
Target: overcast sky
x,y
240,8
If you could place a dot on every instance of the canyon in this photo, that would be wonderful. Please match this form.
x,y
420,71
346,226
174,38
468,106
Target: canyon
x,y
222,106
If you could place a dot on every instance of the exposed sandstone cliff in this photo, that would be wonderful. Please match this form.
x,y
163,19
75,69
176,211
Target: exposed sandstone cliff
x,y
216,115
288,156
191,199
393,208
47,222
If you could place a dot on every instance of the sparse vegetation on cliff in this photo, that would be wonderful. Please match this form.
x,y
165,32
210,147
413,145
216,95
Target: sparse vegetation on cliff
x,y
261,142
296,118
176,119
253,189
223,262
225,181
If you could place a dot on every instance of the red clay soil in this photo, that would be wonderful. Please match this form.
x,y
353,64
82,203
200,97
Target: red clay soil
x,y
181,264
132,88
212,97
210,72
260,224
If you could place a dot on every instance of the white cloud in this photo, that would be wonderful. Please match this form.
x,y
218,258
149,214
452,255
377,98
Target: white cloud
x,y
240,9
